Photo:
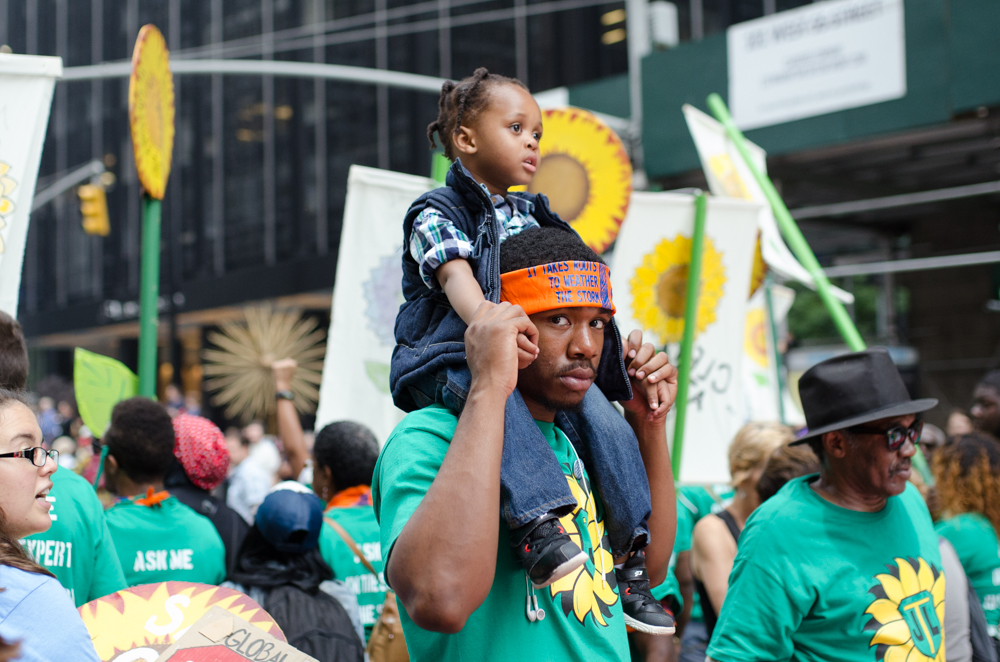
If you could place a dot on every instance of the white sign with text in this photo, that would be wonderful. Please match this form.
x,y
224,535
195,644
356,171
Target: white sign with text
x,y
816,59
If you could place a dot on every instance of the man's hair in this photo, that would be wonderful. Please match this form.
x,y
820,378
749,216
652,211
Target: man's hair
x,y
349,450
13,354
543,246
991,379
786,462
141,438
461,103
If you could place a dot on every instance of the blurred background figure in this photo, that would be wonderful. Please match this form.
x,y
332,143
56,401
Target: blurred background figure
x,y
344,459
958,423
280,567
967,475
156,536
985,410
67,452
785,463
248,482
713,543
172,400
48,419
201,463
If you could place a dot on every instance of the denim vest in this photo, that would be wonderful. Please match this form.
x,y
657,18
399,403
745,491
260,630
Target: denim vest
x,y
430,335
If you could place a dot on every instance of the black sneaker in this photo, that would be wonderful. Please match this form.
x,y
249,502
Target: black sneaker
x,y
545,550
642,611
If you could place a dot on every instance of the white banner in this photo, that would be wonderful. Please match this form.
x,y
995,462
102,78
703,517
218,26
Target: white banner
x,y
760,378
649,277
729,176
816,59
26,84
366,297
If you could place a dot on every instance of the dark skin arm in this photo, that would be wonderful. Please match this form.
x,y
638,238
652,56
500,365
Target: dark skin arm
x,y
654,388
443,563
289,425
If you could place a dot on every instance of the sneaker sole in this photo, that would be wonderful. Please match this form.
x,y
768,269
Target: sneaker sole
x,y
564,569
639,626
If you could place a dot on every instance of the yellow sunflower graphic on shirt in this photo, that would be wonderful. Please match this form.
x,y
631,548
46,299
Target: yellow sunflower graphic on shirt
x,y
590,589
907,615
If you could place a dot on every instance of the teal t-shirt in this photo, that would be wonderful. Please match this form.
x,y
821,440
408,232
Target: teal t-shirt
x,y
975,542
814,581
693,503
166,542
359,522
583,613
77,549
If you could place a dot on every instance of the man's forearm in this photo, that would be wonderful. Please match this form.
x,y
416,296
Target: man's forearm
x,y
443,562
292,438
663,520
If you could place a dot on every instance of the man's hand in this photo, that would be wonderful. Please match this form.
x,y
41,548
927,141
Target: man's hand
x,y
283,370
654,380
491,344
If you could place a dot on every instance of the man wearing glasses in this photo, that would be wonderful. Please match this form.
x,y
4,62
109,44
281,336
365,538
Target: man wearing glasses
x,y
843,565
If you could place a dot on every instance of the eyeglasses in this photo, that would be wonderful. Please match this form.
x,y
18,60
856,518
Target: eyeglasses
x,y
896,436
37,455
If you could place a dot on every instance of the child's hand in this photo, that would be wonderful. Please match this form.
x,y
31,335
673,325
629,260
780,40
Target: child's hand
x,y
527,351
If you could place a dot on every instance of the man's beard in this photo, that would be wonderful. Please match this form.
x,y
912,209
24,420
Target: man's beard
x,y
553,405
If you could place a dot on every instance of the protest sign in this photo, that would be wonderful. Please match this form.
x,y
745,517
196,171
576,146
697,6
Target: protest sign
x,y
649,280
220,636
100,383
366,297
140,623
26,84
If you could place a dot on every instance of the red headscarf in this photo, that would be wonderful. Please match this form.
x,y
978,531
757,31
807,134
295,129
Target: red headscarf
x,y
201,449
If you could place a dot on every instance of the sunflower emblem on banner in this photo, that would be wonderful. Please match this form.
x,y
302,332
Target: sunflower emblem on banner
x,y
908,613
755,340
659,288
7,186
591,588
724,170
586,174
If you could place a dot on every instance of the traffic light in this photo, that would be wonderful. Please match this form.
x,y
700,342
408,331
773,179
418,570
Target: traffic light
x,y
94,208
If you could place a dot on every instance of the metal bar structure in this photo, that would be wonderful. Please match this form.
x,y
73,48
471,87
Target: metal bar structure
x,y
65,183
269,68
895,201
914,264
798,244
690,323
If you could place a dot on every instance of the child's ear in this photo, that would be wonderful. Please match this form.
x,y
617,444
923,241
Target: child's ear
x,y
464,140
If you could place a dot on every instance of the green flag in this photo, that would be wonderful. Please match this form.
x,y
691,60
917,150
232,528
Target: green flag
x,y
100,384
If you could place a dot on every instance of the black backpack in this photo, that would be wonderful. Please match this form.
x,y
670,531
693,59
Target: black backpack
x,y
315,624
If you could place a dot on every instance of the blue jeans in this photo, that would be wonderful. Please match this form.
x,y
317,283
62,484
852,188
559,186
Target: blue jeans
x,y
531,481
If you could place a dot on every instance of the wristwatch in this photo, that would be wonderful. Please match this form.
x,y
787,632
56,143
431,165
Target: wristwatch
x,y
284,395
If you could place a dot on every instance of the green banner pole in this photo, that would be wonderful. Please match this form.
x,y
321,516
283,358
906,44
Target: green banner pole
x,y
773,328
690,323
149,295
844,323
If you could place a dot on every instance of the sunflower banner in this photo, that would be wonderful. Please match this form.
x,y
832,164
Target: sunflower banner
x,y
26,84
366,298
760,380
649,278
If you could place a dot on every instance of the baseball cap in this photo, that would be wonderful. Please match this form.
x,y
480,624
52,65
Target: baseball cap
x,y
290,519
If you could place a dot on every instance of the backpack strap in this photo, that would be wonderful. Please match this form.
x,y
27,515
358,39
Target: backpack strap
x,y
349,541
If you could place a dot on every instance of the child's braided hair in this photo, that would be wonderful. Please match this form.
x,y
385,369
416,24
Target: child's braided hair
x,y
462,102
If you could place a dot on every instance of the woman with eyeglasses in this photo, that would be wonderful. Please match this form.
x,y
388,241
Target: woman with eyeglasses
x,y
967,475
36,612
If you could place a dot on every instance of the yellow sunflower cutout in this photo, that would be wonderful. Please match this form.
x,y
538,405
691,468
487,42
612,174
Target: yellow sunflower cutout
x,y
586,174
659,288
908,613
7,186
732,184
151,110
590,589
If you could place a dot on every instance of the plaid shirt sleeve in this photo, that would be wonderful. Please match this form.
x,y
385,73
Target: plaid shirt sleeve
x,y
435,240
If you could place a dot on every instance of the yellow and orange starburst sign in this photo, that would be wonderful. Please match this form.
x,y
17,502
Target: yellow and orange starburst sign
x,y
586,174
154,616
151,110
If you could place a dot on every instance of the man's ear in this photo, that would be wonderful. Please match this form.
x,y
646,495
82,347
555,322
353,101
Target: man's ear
x,y
835,444
464,140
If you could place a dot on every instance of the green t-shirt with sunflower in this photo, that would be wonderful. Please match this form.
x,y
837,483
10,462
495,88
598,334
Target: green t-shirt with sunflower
x,y
813,581
975,542
583,613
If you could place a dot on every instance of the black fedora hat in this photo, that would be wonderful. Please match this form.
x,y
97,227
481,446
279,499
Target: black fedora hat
x,y
852,389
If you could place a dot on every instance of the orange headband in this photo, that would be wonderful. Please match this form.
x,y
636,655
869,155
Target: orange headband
x,y
558,285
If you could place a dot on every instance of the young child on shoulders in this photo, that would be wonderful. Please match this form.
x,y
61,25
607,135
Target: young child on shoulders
x,y
491,126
